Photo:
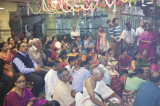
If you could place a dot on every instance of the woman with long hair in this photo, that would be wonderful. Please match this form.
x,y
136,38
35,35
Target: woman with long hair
x,y
19,95
11,42
135,59
7,57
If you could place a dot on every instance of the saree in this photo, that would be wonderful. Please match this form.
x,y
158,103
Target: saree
x,y
13,99
125,62
101,42
151,48
8,59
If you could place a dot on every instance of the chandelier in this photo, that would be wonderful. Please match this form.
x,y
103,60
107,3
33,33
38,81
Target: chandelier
x,y
72,6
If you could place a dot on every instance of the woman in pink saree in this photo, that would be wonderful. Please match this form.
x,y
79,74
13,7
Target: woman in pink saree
x,y
147,40
19,95
7,56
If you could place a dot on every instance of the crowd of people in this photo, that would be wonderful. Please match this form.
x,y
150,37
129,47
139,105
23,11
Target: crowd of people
x,y
119,67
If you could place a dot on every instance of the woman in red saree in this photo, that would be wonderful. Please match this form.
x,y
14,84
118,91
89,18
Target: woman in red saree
x,y
19,95
7,57
124,61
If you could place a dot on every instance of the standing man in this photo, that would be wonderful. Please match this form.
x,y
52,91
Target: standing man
x,y
108,29
115,37
74,33
128,37
139,30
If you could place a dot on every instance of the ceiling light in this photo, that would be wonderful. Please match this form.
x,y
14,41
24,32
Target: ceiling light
x,y
1,8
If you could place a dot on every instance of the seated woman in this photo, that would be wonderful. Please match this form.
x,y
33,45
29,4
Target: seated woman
x,y
94,87
155,65
91,52
111,60
19,95
45,42
132,84
11,42
143,61
124,61
63,57
117,82
135,60
65,42
7,56
77,45
48,53
73,52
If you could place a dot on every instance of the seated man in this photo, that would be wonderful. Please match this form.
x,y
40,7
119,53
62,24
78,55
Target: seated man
x,y
22,63
80,76
71,65
94,86
36,53
63,91
103,62
51,79
149,93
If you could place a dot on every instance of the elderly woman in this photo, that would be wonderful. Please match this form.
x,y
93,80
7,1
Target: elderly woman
x,y
94,87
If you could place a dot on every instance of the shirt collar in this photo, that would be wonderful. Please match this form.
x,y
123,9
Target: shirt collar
x,y
23,54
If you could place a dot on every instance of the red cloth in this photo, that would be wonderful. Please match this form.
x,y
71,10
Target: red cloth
x,y
53,54
98,44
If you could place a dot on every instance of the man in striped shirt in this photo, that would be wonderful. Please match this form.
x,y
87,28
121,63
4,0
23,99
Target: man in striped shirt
x,y
115,37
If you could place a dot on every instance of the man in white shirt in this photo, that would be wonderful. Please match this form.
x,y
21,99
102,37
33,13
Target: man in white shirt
x,y
128,37
71,65
74,33
51,79
139,30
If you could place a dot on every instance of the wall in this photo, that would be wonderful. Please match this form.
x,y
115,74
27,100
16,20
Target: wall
x,y
5,30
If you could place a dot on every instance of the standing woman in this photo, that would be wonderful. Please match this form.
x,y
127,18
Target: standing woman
x,y
7,57
147,40
101,40
19,95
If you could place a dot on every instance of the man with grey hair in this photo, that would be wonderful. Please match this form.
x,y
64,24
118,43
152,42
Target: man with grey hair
x,y
63,91
37,54
103,62
95,86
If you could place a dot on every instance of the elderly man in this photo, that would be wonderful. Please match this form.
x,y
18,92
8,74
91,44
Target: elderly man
x,y
74,33
36,53
149,92
94,87
103,62
63,91
22,63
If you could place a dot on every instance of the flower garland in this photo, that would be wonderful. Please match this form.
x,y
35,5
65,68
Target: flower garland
x,y
72,6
